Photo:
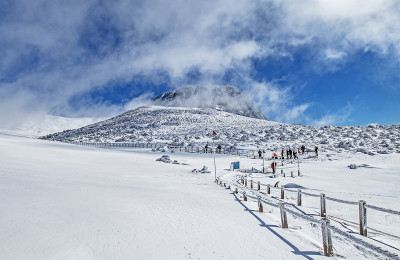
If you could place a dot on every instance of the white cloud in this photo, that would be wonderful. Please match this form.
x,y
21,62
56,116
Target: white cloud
x,y
334,54
46,58
142,100
336,118
277,102
295,114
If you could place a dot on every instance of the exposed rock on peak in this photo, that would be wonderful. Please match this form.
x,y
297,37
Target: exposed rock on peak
x,y
225,98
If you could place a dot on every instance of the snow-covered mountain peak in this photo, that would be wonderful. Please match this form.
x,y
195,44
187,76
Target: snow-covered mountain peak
x,y
221,97
159,124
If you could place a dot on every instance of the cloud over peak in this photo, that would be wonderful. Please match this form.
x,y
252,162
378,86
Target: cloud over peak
x,y
55,50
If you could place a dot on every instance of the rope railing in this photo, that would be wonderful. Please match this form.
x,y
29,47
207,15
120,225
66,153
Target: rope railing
x,y
225,149
186,148
348,202
263,198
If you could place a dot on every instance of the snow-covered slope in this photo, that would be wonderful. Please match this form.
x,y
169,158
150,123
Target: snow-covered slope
x,y
225,98
62,201
194,126
43,125
164,124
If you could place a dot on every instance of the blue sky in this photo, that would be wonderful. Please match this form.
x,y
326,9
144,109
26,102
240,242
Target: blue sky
x,y
314,62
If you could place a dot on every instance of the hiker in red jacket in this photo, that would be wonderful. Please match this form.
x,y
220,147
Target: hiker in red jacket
x,y
273,165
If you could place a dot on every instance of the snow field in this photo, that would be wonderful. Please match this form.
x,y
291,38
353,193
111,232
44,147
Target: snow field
x,y
71,202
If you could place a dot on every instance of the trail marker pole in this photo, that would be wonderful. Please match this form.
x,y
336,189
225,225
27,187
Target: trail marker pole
x,y
260,206
259,185
282,193
251,184
298,165
363,217
283,216
323,205
215,166
298,197
263,161
268,189
326,237
244,196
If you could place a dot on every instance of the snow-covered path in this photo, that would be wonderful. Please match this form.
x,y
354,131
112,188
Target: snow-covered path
x,y
62,201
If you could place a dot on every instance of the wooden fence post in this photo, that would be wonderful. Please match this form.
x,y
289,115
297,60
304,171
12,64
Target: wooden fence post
x,y
323,205
284,175
283,216
244,196
242,180
245,182
251,184
260,206
298,197
363,217
282,193
258,185
268,189
291,173
281,171
326,237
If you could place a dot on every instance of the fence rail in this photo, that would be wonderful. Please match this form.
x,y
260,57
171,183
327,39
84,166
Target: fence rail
x,y
348,202
226,149
261,197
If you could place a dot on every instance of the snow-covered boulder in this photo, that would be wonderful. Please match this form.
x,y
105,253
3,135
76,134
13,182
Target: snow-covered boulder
x,y
165,158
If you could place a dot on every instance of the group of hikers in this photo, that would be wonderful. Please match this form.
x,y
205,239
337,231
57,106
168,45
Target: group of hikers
x,y
218,150
290,154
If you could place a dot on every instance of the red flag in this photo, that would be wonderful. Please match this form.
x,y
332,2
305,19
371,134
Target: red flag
x,y
275,155
299,151
214,133
280,138
263,151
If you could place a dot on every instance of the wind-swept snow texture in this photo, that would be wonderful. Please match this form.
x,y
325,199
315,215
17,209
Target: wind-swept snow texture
x,y
225,98
63,201
194,126
77,202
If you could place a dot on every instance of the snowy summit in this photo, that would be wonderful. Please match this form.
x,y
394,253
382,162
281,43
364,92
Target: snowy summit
x,y
225,98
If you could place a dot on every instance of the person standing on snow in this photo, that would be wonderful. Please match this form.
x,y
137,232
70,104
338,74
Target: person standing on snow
x,y
273,166
316,151
259,154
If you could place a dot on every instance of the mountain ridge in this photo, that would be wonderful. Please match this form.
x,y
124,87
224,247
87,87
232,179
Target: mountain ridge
x,y
194,126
